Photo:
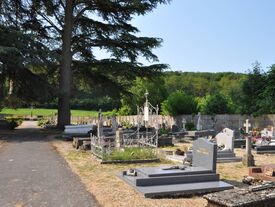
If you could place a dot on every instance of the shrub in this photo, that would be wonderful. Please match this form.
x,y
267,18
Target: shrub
x,y
13,122
179,103
215,104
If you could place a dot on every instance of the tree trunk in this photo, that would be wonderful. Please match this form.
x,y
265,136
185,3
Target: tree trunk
x,y
64,116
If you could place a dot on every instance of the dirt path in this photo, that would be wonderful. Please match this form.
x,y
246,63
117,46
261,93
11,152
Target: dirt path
x,y
33,174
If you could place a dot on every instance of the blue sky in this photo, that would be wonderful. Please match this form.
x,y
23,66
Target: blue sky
x,y
213,35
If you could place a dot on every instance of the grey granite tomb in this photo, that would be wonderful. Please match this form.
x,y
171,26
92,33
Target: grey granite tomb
x,y
166,181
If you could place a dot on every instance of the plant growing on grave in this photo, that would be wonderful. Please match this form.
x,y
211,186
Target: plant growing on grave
x,y
164,131
131,153
126,125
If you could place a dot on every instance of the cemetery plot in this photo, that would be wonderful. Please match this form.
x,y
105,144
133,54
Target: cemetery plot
x,y
166,181
98,178
110,141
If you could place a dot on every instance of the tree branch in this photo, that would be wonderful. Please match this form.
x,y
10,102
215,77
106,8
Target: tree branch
x,y
49,21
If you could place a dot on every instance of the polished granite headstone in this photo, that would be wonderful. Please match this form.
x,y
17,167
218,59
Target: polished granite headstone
x,y
166,181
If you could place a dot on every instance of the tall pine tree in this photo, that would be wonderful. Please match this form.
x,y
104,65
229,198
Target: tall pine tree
x,y
74,28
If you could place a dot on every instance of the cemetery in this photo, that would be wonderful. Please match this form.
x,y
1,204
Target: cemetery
x,y
137,103
210,169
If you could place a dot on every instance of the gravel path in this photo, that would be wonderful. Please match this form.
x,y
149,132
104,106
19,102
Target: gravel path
x,y
33,174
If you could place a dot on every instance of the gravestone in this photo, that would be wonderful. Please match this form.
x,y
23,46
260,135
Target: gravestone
x,y
225,139
166,181
267,146
114,123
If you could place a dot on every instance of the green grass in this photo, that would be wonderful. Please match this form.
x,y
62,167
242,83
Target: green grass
x,y
45,112
131,153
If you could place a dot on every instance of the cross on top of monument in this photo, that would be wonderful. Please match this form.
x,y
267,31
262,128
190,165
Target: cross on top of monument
x,y
247,125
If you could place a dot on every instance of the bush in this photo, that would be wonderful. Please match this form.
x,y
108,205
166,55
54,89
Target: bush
x,y
179,103
13,122
215,104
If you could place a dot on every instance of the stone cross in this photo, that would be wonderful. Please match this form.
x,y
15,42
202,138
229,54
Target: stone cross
x,y
248,159
99,124
146,107
247,125
199,124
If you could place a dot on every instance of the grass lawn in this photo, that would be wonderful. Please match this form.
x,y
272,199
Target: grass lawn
x,y
45,112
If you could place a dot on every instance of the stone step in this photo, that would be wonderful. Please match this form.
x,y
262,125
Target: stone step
x,y
158,172
152,181
183,189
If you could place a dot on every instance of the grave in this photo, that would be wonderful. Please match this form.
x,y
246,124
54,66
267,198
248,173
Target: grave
x,y
253,196
165,140
225,143
166,181
82,130
264,172
200,132
226,139
268,143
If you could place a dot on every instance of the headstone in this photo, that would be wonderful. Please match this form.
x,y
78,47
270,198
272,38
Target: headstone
x,y
166,181
225,138
114,123
204,154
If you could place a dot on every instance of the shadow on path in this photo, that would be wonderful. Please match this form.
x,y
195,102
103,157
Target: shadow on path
x,y
33,174
28,131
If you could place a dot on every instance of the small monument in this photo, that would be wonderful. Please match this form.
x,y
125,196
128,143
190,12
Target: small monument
x,y
183,124
199,122
248,159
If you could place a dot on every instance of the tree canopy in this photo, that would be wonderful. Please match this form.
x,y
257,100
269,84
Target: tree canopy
x,y
74,28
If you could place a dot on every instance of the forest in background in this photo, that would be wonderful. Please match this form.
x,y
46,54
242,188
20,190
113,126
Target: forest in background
x,y
178,92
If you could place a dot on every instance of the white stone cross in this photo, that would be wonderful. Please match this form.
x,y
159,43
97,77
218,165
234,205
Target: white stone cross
x,y
247,125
